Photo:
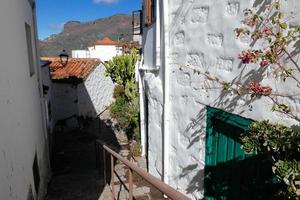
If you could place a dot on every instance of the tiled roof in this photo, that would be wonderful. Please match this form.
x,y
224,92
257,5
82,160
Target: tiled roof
x,y
75,68
106,41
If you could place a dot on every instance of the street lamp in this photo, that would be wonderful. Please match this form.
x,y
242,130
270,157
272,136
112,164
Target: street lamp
x,y
64,58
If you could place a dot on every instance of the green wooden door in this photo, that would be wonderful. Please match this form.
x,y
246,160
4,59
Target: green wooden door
x,y
229,173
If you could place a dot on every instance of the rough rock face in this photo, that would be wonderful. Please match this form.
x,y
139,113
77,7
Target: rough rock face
x,y
77,35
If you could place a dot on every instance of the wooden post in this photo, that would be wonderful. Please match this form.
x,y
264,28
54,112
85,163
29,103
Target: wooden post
x,y
112,182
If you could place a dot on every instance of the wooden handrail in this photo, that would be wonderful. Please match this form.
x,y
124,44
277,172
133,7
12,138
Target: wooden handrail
x,y
158,184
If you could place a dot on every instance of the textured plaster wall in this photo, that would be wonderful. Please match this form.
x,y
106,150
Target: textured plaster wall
x,y
153,88
88,98
201,37
64,101
21,125
95,94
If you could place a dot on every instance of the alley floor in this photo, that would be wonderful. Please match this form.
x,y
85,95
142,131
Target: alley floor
x,y
75,176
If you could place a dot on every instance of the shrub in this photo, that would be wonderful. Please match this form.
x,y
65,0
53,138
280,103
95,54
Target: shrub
x,y
282,144
118,91
125,109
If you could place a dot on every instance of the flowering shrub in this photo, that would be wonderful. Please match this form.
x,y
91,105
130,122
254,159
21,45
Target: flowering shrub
x,y
257,89
278,141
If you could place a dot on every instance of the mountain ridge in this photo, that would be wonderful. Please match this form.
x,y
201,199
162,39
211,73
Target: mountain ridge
x,y
80,35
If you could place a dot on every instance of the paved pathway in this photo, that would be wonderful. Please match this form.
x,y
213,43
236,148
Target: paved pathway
x,y
74,166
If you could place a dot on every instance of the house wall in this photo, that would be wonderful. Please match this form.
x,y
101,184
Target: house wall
x,y
201,36
48,96
81,54
95,94
88,98
152,84
102,52
65,103
22,134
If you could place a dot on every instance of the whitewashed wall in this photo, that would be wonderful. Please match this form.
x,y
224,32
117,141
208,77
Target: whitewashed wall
x,y
102,52
65,103
95,94
201,37
21,121
81,54
88,98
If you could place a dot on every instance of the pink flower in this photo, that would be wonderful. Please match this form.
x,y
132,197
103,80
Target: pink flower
x,y
267,32
257,89
264,63
247,56
239,31
251,21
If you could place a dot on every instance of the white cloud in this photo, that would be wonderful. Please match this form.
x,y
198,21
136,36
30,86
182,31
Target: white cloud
x,y
106,1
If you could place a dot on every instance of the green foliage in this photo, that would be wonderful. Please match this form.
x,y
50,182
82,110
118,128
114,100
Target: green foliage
x,y
118,91
121,69
125,109
282,144
127,116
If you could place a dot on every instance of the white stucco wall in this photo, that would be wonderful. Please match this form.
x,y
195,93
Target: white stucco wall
x,y
81,54
95,94
65,102
21,120
86,98
102,52
48,96
201,37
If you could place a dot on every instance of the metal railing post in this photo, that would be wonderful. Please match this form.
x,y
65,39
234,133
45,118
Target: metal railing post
x,y
130,182
158,184
104,166
112,182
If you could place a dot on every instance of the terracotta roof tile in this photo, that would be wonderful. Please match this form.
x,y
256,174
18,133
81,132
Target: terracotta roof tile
x,y
76,67
106,41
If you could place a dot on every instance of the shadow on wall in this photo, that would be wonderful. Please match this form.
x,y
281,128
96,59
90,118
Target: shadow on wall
x,y
217,179
73,162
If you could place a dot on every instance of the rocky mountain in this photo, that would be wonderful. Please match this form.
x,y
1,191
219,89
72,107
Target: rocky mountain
x,y
78,35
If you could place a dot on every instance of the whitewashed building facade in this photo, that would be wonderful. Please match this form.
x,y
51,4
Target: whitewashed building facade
x,y
24,161
79,89
178,107
104,49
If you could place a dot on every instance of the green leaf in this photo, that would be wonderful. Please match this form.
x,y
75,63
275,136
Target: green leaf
x,y
283,25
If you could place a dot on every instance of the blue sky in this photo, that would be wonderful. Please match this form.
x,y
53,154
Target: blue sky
x,y
52,14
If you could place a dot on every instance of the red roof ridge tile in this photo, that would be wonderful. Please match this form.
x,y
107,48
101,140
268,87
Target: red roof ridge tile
x,y
76,67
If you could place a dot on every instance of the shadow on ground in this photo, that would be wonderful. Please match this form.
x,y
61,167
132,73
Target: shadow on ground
x,y
75,176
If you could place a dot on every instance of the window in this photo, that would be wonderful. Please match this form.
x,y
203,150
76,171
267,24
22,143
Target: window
x,y
29,48
36,174
150,12
137,22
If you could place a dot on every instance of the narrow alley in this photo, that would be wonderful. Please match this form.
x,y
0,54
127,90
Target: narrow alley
x,y
75,176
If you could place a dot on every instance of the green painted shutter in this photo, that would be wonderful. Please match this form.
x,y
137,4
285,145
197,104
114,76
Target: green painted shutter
x,y
230,174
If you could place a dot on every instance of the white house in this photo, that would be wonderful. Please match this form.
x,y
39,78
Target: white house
x,y
79,89
24,163
187,127
103,49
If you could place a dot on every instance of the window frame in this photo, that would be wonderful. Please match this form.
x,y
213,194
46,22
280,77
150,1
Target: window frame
x,y
149,12
30,48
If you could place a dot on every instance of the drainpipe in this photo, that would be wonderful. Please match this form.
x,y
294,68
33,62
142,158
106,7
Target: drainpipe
x,y
166,89
142,108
